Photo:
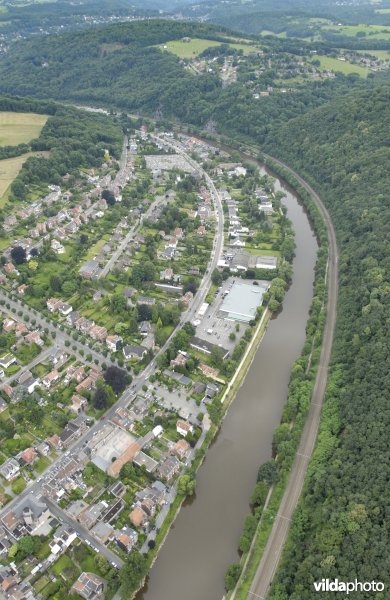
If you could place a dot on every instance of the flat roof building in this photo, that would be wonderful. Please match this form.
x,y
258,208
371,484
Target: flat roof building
x,y
242,301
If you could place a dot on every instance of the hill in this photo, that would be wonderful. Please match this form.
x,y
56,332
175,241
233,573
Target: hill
x,y
340,529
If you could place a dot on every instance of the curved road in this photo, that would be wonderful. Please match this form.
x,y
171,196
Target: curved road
x,y
273,550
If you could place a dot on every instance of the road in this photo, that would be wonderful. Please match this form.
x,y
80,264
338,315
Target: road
x,y
36,361
83,533
61,336
273,550
121,247
35,487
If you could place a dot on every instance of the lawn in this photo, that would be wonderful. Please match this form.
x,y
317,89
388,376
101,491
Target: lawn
x,y
19,128
9,168
196,46
342,66
95,249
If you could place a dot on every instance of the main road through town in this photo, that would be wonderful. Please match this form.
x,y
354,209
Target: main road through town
x,y
274,547
35,487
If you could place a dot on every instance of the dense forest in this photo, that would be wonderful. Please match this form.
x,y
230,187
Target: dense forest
x,y
340,527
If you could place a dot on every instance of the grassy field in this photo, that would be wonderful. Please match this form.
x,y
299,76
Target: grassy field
x,y
9,168
372,31
18,128
382,54
342,66
282,34
196,46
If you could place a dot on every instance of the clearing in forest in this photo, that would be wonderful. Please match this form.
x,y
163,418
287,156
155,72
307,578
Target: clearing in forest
x,y
19,128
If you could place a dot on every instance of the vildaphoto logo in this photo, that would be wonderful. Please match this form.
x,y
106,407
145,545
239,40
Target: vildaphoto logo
x,y
348,587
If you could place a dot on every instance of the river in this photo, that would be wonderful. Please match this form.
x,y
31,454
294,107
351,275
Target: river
x,y
204,539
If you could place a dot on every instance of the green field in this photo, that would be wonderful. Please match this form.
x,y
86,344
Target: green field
x,y
18,128
372,31
282,34
196,46
382,54
341,66
9,168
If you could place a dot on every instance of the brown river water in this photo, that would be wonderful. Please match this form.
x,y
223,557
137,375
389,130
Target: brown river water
x,y
204,539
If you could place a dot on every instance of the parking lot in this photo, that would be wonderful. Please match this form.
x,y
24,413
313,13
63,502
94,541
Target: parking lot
x,y
177,399
215,329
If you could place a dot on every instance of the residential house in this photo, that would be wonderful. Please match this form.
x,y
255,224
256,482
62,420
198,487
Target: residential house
x,y
9,325
180,360
10,469
90,269
7,360
168,468
184,427
138,516
98,333
180,449
144,328
114,342
187,298
89,586
21,329
55,442
131,351
34,338
57,247
10,269
22,288
212,389
149,341
65,309
53,304
102,531
51,378
28,456
79,404
126,538
7,389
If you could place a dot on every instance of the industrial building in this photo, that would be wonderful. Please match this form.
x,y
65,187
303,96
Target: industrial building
x,y
242,301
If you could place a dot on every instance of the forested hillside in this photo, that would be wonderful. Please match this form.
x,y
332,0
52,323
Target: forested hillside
x,y
340,529
120,66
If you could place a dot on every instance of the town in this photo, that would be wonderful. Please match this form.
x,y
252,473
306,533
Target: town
x,y
128,298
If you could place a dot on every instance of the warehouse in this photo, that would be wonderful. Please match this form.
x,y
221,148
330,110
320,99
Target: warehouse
x,y
242,301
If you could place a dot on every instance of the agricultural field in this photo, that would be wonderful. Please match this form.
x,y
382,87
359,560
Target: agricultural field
x,y
9,168
375,32
19,128
196,46
341,66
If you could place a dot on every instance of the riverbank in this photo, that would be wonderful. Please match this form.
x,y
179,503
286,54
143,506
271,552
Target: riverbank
x,y
212,520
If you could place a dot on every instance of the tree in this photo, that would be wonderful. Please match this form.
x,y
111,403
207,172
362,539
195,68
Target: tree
x,y
55,283
216,278
216,357
100,398
109,197
232,576
132,573
18,255
267,472
117,378
186,485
